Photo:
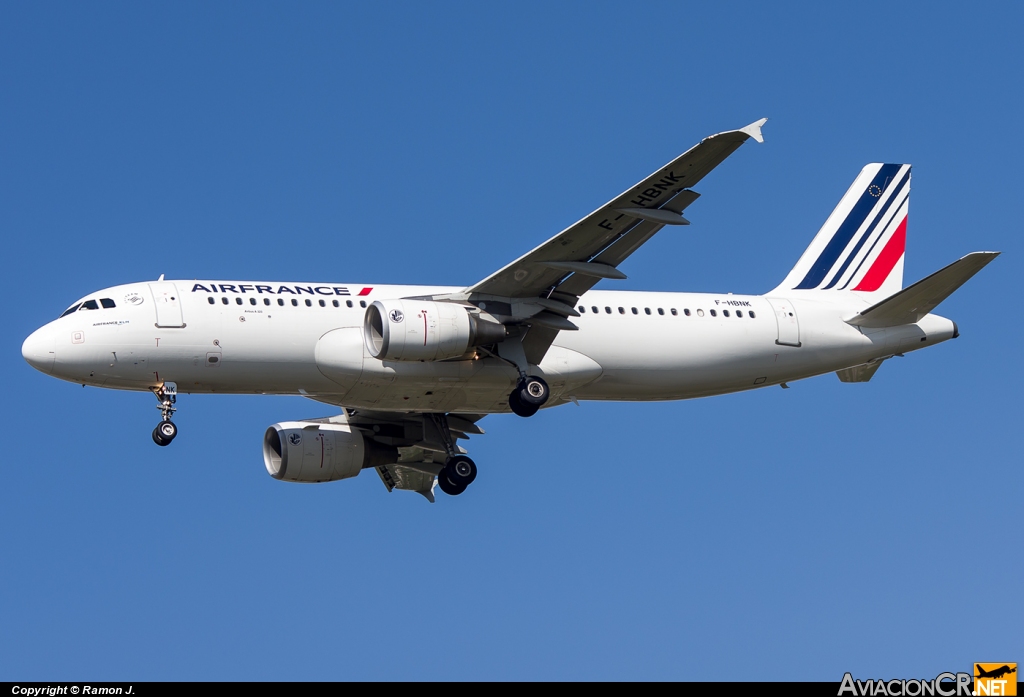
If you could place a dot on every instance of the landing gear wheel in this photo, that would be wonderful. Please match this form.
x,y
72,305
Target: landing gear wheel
x,y
457,474
164,433
533,391
460,470
517,406
446,486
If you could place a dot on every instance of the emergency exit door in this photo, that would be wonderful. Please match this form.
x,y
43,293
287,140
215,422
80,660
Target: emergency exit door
x,y
789,324
168,304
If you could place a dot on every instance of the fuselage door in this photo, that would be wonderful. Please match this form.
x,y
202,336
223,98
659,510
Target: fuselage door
x,y
789,325
168,304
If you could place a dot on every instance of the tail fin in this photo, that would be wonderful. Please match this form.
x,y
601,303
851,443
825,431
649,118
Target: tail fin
x,y
860,247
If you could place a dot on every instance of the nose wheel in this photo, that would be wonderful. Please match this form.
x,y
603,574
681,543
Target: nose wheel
x,y
165,431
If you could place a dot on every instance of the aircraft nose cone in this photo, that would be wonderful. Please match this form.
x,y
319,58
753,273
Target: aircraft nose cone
x,y
39,349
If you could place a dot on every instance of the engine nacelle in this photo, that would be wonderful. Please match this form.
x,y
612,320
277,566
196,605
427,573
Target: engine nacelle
x,y
304,451
423,330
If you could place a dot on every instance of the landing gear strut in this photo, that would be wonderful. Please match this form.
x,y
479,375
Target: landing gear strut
x,y
458,471
165,431
530,395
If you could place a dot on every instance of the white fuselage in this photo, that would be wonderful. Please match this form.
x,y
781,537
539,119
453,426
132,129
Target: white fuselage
x,y
637,346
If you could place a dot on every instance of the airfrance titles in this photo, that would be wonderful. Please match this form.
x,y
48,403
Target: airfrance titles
x,y
280,290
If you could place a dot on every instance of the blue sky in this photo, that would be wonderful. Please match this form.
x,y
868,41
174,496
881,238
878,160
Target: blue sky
x,y
794,534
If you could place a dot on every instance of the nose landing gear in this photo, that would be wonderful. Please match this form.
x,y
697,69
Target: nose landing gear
x,y
165,431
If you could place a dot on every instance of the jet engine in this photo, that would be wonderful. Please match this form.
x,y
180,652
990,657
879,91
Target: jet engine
x,y
423,330
305,451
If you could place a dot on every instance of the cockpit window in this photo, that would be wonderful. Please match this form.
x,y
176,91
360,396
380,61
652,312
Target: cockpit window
x,y
90,305
70,310
107,303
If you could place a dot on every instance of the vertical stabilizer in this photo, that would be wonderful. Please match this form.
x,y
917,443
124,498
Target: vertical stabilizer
x,y
861,246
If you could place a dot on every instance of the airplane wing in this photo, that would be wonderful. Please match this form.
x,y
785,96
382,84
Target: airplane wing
x,y
553,276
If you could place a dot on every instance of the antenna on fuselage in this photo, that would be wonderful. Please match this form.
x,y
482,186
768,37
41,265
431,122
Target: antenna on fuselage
x,y
160,279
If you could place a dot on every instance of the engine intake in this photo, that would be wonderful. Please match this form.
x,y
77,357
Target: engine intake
x,y
304,451
423,330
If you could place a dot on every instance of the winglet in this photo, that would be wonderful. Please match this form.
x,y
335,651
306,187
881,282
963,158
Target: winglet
x,y
754,130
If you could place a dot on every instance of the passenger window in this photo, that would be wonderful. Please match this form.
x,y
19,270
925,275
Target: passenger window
x,y
661,311
725,313
700,313
238,301
323,303
69,310
714,314
593,308
673,311
348,303
280,301
335,303
647,310
90,305
634,311
252,301
211,300
582,309
309,303
266,301
739,313
224,300
686,311
107,303
362,303
295,303
607,310
622,310
752,315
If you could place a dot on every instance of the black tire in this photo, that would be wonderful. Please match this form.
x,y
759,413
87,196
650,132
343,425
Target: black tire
x,y
534,391
158,439
445,485
460,471
167,430
517,406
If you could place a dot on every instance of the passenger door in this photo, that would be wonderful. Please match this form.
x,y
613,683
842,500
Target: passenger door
x,y
789,324
168,304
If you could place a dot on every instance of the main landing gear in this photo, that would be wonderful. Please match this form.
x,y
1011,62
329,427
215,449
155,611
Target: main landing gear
x,y
165,431
530,395
458,471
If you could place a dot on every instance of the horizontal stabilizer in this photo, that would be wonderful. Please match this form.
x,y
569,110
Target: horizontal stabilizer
x,y
858,373
914,302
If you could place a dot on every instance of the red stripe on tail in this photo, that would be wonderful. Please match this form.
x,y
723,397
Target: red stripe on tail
x,y
886,260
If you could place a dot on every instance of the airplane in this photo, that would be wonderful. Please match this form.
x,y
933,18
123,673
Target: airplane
x,y
415,368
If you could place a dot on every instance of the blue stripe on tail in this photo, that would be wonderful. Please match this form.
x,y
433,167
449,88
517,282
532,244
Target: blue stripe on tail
x,y
848,229
868,230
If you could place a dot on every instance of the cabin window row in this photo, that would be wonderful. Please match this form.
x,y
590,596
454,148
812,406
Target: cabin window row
x,y
280,301
594,309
